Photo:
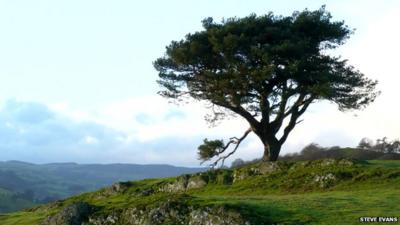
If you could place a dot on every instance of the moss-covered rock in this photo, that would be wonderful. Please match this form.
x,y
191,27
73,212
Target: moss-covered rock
x,y
178,185
115,189
74,214
171,213
197,182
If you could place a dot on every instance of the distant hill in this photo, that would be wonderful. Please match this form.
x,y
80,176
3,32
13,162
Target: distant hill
x,y
24,184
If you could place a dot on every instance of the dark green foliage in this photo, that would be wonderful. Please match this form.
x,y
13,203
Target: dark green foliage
x,y
265,69
209,149
314,152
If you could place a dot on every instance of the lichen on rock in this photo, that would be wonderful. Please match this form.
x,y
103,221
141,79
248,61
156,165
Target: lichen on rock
x,y
74,214
325,180
171,212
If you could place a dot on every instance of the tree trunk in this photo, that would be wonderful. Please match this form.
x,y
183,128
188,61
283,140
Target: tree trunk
x,y
271,151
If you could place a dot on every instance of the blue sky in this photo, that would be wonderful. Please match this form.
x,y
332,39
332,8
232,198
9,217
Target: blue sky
x,y
77,81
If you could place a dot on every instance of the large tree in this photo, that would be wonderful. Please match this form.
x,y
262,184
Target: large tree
x,y
267,69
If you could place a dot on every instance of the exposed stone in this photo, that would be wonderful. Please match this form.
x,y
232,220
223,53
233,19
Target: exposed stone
x,y
172,213
268,167
115,189
328,162
196,182
346,162
103,220
74,214
324,180
239,175
215,216
179,185
146,192
263,168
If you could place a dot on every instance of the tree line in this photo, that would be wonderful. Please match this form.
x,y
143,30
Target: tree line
x,y
367,149
380,145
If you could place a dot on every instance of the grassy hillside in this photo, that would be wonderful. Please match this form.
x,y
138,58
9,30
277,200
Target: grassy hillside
x,y
309,192
27,183
10,201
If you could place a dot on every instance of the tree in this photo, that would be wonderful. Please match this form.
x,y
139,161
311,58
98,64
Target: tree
x,y
266,69
381,144
395,146
386,146
365,143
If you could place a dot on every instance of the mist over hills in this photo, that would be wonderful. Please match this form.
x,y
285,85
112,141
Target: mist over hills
x,y
25,184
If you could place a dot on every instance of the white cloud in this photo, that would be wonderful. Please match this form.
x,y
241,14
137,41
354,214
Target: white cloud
x,y
91,140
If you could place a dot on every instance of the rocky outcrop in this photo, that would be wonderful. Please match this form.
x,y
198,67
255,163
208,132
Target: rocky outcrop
x,y
116,188
196,182
185,183
171,213
74,214
218,216
263,168
179,185
325,181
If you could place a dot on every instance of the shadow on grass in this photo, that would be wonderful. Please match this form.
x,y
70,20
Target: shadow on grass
x,y
268,214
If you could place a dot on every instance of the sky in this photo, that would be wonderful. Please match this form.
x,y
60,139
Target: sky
x,y
77,82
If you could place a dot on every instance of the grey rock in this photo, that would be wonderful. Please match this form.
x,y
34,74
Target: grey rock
x,y
172,213
324,180
74,214
179,185
196,182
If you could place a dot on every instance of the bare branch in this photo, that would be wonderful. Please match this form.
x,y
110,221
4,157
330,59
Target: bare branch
x,y
233,140
241,111
277,123
293,119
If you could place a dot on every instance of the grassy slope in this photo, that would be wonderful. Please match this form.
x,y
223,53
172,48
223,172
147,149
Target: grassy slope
x,y
9,201
286,197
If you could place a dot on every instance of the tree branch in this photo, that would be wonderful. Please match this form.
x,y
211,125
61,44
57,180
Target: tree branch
x,y
265,109
282,114
293,119
233,140
242,112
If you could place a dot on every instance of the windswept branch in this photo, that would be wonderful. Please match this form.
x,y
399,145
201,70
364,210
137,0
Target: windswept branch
x,y
233,140
211,149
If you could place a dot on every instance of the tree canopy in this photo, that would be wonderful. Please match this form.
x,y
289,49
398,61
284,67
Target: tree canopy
x,y
267,69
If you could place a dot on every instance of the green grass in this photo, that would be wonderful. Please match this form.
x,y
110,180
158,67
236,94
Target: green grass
x,y
22,218
335,207
385,163
288,196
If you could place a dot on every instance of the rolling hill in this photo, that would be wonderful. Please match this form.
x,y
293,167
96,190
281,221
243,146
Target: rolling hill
x,y
328,191
25,184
